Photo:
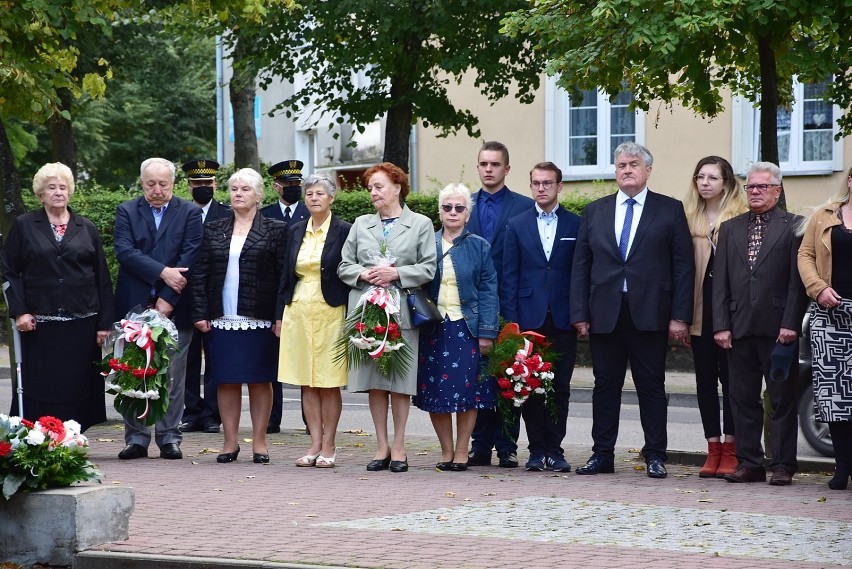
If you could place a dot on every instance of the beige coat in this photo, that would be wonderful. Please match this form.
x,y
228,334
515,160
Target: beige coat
x,y
701,245
815,251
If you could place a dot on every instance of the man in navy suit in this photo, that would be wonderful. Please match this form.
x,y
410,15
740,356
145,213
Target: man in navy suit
x,y
201,413
631,288
493,206
535,293
157,238
287,176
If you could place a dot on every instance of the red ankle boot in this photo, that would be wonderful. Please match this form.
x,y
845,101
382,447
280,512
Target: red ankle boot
x,y
711,465
728,464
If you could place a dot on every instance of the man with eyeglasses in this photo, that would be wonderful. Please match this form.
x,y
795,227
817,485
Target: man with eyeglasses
x,y
493,206
535,293
287,181
758,304
631,289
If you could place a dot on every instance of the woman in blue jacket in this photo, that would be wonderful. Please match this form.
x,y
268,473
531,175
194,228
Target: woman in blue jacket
x,y
449,378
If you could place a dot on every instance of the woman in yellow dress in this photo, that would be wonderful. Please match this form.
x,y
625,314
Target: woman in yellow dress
x,y
315,308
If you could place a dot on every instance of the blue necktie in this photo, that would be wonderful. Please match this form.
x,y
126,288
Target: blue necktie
x,y
488,220
624,242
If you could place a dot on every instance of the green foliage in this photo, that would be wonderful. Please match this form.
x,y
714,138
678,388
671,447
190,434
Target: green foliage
x,y
690,51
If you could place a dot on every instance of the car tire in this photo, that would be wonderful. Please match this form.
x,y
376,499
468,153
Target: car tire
x,y
815,433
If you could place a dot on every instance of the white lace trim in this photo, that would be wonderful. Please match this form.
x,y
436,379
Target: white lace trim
x,y
240,323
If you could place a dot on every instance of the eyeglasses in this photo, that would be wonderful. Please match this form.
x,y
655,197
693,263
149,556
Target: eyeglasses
x,y
546,185
710,178
759,187
449,207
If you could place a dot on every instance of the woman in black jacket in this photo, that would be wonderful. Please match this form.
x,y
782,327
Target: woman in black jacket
x,y
234,292
315,300
59,292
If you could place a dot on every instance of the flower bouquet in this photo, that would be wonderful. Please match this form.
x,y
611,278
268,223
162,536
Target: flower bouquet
x,y
519,362
44,454
136,370
372,331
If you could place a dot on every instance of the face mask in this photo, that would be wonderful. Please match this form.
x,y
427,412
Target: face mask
x,y
291,194
202,194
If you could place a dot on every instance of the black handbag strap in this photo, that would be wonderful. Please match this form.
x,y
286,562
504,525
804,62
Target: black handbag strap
x,y
463,237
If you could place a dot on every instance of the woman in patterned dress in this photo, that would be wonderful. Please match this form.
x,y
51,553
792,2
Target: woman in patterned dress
x,y
826,271
315,307
449,378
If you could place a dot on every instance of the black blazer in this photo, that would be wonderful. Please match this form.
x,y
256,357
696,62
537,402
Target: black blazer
x,y
660,268
45,277
334,291
262,261
274,211
760,301
217,210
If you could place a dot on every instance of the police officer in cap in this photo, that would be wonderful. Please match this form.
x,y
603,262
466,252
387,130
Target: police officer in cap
x,y
201,413
287,177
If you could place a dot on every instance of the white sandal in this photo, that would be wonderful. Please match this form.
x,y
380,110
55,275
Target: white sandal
x,y
307,460
323,462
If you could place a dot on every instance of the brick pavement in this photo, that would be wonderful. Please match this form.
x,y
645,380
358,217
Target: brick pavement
x,y
198,513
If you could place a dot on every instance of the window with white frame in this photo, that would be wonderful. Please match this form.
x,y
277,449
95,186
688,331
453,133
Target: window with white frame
x,y
806,132
582,132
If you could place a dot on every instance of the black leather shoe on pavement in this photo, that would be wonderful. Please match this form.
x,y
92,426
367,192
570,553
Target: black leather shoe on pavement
x,y
170,451
656,468
211,427
597,465
475,458
190,427
272,428
780,477
399,465
132,451
508,460
378,464
745,474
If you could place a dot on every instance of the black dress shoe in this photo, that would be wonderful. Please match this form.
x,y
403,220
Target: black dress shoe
x,y
170,451
458,466
228,456
132,451
597,465
190,427
272,428
745,474
475,458
656,468
399,465
840,479
211,428
259,458
443,466
379,464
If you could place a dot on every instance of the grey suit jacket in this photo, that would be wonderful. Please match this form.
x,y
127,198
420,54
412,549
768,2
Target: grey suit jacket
x,y
759,301
411,241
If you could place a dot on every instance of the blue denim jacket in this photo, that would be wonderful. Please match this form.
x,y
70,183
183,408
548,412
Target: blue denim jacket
x,y
477,282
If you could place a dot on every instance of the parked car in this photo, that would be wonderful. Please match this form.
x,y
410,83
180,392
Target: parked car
x,y
815,433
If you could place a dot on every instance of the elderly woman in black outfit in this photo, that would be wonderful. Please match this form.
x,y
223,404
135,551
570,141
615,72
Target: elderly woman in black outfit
x,y
315,300
59,292
234,292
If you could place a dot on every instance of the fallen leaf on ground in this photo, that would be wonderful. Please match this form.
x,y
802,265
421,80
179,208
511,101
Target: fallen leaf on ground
x,y
639,467
105,440
490,494
450,494
443,518
209,451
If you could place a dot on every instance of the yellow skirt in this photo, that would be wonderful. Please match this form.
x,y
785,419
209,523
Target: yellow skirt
x,y
309,329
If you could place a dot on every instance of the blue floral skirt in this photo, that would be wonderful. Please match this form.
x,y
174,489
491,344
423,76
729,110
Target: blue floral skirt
x,y
449,378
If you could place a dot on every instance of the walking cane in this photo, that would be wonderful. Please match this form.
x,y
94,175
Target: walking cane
x,y
16,338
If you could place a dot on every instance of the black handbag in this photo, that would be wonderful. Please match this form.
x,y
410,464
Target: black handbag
x,y
422,309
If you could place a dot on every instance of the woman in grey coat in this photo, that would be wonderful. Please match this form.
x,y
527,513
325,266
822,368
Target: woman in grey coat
x,y
410,239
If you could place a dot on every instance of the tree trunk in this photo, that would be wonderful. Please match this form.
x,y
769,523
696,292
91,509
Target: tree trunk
x,y
242,91
769,106
10,184
398,129
62,134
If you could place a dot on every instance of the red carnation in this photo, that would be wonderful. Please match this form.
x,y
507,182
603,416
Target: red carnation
x,y
138,372
151,371
524,391
518,369
360,326
27,423
508,394
392,327
504,383
379,329
534,382
546,366
5,448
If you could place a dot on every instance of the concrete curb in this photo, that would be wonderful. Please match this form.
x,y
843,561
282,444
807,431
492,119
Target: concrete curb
x,y
112,560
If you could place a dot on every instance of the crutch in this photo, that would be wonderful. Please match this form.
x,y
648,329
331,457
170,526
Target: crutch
x,y
16,338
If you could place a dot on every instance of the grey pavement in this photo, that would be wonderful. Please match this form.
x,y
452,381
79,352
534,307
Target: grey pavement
x,y
195,513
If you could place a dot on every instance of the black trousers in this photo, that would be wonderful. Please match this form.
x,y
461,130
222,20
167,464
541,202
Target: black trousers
x,y
749,363
646,352
197,408
544,430
489,431
711,369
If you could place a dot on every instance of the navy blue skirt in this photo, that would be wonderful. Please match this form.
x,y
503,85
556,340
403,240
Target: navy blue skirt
x,y
449,378
241,356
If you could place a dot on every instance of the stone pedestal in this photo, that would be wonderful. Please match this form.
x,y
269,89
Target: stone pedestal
x,y
50,526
